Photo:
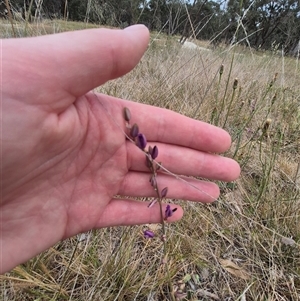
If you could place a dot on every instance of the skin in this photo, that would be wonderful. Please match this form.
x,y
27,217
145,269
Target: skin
x,y
64,155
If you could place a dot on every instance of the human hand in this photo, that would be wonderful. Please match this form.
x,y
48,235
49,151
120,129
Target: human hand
x,y
63,156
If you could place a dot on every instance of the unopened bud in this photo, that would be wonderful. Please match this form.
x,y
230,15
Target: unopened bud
x,y
127,114
153,181
141,141
154,152
134,131
148,234
164,192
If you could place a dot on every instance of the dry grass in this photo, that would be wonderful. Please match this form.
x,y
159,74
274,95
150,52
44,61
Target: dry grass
x,y
246,246
21,28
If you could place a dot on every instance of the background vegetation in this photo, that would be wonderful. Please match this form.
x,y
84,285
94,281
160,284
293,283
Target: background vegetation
x,y
245,246
260,24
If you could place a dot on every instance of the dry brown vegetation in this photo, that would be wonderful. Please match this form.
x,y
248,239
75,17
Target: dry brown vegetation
x,y
245,246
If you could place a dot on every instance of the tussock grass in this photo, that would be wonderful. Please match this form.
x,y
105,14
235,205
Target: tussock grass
x,y
245,246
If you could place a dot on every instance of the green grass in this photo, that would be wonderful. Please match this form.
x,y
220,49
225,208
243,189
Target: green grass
x,y
238,248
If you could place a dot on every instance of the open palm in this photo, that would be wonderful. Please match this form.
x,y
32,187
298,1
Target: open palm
x,y
64,155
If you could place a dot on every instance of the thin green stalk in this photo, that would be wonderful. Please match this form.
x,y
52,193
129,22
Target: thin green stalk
x,y
225,92
238,135
215,111
235,83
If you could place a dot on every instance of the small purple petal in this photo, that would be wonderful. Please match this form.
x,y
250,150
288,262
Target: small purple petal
x,y
154,152
164,192
134,131
141,141
148,234
168,212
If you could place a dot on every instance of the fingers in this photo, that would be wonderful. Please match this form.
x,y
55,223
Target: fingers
x,y
161,125
136,184
73,62
186,161
127,212
169,127
181,150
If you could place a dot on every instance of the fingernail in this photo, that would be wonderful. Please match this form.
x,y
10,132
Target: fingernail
x,y
136,27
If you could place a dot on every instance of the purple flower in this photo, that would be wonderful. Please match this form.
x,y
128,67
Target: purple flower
x,y
141,141
169,212
148,234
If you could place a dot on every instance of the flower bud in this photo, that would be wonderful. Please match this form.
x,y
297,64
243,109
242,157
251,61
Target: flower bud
x,y
127,114
148,234
154,152
134,131
153,181
141,141
164,192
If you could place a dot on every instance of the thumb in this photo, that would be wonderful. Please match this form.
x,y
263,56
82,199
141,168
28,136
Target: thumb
x,y
71,63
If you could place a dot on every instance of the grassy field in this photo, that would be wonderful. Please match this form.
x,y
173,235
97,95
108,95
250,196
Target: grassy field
x,y
245,246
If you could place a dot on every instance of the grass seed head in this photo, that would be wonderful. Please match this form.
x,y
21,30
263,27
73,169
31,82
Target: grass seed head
x,y
235,83
221,70
267,125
